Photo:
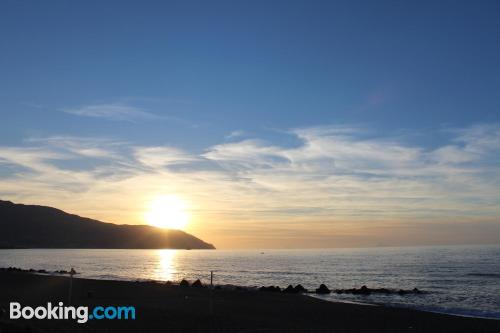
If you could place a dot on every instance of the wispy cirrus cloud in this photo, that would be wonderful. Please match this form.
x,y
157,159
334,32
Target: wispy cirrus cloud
x,y
113,111
334,179
79,146
235,134
341,173
159,157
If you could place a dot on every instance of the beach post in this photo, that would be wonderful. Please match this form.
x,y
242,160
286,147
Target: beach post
x,y
71,273
211,295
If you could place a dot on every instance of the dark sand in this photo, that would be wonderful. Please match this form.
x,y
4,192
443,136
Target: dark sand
x,y
161,308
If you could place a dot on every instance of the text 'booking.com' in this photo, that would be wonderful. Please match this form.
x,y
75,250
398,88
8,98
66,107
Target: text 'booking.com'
x,y
81,314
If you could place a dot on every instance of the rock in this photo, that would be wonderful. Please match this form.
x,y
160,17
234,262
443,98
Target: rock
x,y
289,290
323,289
184,283
364,290
197,284
270,289
299,289
384,291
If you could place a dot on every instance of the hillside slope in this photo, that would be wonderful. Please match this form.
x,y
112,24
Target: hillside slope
x,y
30,226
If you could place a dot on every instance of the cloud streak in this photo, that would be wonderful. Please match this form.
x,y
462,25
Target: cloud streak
x,y
335,180
112,111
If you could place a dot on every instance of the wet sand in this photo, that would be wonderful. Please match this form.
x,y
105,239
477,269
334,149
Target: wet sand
x,y
162,308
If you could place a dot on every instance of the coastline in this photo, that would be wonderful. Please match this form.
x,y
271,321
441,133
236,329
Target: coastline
x,y
173,308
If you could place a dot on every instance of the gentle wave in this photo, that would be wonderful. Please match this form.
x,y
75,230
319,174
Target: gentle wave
x,y
491,275
457,280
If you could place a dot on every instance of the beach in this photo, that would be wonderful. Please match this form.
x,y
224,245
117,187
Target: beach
x,y
171,308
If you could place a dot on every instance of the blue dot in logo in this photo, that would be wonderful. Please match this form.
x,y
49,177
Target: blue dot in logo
x,y
91,316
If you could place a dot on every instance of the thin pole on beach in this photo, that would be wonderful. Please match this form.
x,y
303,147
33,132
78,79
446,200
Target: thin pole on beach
x,y
71,273
211,300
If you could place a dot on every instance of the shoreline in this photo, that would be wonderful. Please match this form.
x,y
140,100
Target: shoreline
x,y
232,287
169,307
416,308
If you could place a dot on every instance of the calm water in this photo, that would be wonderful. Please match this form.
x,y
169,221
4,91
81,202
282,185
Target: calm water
x,y
459,280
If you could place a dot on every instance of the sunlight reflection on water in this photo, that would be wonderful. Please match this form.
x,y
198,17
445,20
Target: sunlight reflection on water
x,y
458,279
167,265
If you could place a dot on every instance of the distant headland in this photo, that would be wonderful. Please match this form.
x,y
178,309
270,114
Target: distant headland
x,y
32,226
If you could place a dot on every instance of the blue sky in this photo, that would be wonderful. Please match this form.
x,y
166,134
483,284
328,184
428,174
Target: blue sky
x,y
217,85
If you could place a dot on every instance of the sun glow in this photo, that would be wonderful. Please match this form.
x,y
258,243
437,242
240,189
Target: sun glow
x,y
167,212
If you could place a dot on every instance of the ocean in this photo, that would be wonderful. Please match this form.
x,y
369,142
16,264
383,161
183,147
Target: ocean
x,y
461,280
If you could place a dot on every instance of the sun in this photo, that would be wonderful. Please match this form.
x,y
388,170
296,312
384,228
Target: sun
x,y
167,212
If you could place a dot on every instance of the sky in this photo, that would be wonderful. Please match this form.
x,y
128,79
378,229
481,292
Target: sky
x,y
280,124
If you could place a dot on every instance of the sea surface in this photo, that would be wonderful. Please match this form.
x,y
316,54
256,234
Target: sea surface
x,y
462,280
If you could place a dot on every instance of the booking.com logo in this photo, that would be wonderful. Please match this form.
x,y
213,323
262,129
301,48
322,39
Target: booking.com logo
x,y
81,313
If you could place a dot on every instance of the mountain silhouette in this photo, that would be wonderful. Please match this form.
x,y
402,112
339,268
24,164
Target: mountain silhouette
x,y
31,226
